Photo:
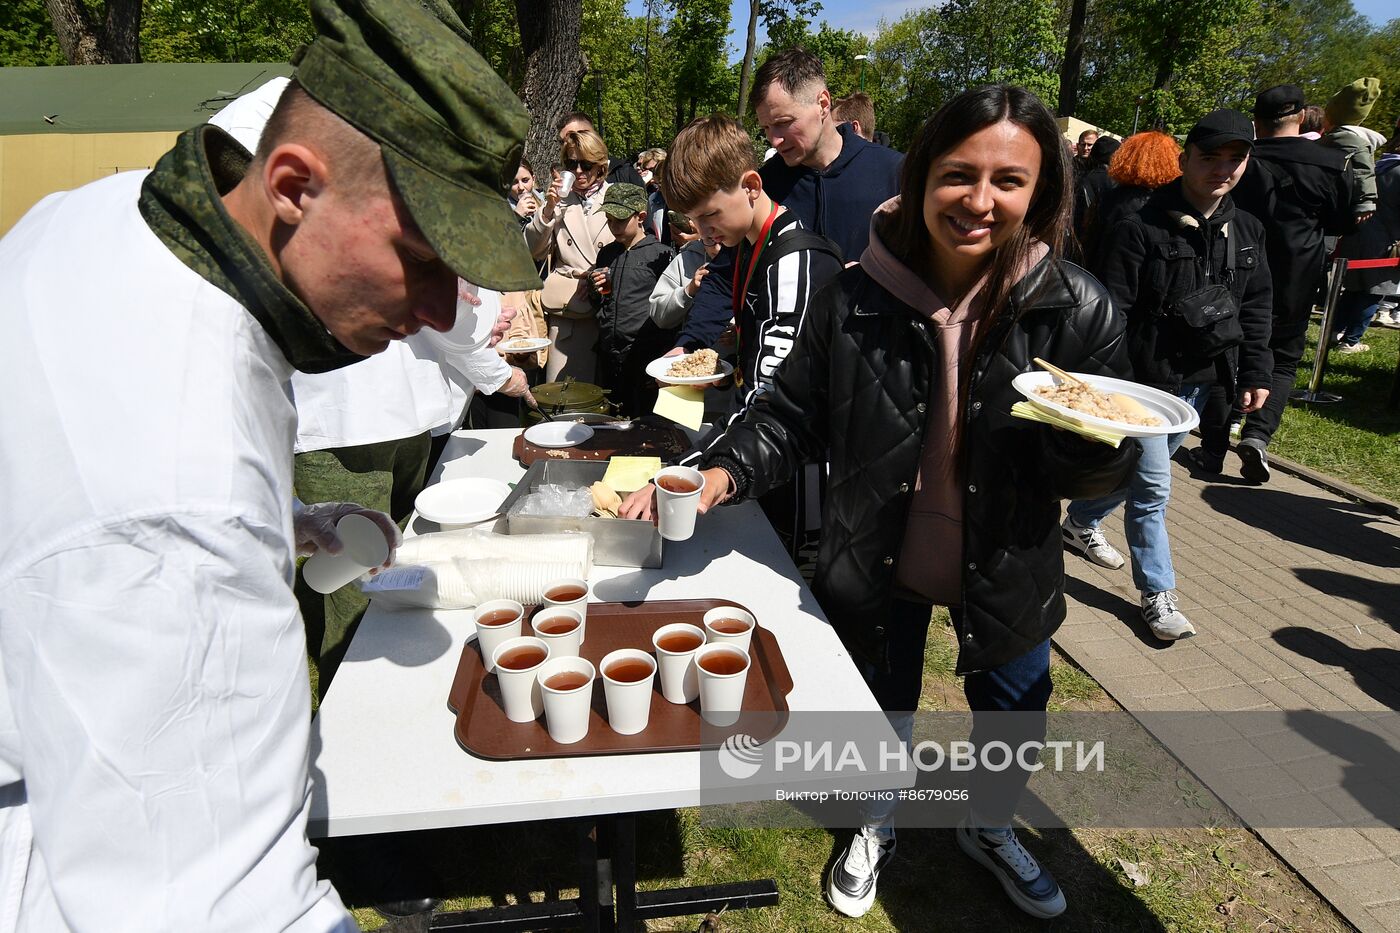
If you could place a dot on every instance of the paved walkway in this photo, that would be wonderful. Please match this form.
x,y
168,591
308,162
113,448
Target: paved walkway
x,y
1296,595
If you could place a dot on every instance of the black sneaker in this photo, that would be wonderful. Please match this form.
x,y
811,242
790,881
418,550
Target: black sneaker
x,y
1030,887
1201,462
1254,460
851,886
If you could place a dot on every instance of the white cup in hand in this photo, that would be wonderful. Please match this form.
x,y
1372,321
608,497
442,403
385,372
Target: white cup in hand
x,y
566,184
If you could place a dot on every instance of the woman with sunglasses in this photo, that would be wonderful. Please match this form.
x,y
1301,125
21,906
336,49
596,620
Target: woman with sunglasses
x,y
900,380
567,232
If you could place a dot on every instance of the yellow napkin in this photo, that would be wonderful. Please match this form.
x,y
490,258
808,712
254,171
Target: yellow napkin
x,y
628,474
1035,413
685,405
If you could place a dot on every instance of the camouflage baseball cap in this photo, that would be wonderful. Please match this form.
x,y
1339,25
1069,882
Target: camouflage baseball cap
x,y
450,130
624,200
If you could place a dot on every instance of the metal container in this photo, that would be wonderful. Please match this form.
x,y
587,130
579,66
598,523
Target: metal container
x,y
617,542
566,398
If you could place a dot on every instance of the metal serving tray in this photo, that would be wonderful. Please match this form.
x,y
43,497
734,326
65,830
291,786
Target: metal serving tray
x,y
617,542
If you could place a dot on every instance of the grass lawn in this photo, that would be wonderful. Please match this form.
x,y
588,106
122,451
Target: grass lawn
x,y
1196,880
1358,438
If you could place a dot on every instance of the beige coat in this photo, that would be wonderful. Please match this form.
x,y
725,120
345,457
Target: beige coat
x,y
571,244
528,323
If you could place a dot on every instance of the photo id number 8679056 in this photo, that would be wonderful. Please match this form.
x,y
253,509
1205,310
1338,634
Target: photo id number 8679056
x,y
933,793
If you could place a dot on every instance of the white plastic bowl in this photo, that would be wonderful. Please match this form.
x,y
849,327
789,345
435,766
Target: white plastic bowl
x,y
457,503
558,434
1177,417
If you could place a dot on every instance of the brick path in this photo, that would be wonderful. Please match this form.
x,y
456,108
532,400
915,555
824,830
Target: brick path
x,y
1295,593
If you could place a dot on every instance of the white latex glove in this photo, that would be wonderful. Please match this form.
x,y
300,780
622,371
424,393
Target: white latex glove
x,y
518,386
313,526
502,325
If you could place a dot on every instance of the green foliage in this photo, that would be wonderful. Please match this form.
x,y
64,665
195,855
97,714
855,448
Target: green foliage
x,y
26,34
224,30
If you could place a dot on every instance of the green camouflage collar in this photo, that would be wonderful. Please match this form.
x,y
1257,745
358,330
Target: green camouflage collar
x,y
180,201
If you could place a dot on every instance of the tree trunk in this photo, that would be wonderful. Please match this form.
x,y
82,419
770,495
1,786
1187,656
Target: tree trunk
x,y
554,68
83,42
746,70
1074,59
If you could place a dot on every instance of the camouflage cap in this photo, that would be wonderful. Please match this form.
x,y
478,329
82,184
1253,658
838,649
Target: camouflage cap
x,y
624,200
450,130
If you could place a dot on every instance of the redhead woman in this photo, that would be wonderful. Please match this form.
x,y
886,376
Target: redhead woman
x,y
901,380
567,232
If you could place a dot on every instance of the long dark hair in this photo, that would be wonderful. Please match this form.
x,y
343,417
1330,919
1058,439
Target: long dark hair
x,y
1047,220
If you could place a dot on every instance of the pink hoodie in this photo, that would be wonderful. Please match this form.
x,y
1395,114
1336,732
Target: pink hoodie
x,y
930,558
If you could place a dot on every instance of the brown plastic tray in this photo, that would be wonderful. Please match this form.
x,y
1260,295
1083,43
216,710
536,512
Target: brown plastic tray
x,y
483,729
644,440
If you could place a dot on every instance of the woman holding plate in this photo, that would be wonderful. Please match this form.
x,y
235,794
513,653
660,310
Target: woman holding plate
x,y
900,379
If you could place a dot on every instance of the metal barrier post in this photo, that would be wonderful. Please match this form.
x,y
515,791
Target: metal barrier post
x,y
1313,394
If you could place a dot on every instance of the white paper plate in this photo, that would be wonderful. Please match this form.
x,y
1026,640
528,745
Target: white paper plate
x,y
558,433
1177,416
527,344
462,501
658,368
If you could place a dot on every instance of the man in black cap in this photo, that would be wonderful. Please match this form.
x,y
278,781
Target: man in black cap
x,y
1300,191
1188,272
155,714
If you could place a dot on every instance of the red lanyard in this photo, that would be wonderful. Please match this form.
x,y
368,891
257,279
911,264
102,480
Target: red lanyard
x,y
753,264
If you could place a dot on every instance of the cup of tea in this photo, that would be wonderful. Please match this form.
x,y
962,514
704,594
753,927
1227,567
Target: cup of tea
x,y
566,184
496,621
675,646
677,498
570,593
627,677
729,625
517,662
723,670
363,546
567,687
559,627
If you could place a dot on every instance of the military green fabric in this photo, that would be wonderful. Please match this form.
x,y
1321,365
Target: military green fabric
x,y
386,476
180,202
624,200
451,131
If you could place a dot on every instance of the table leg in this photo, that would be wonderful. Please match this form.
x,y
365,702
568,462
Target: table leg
x,y
624,864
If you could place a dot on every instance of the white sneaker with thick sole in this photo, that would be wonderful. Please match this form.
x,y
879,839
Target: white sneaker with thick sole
x,y
851,885
1030,887
1161,615
1090,543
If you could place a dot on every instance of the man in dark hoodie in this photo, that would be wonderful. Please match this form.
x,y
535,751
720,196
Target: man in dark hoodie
x,y
627,272
1092,187
1188,272
826,175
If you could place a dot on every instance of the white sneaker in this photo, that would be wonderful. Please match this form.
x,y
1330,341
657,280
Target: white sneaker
x,y
1030,887
1161,615
1353,347
1090,543
851,886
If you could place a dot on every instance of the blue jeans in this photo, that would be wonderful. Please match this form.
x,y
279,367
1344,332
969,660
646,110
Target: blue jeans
x,y
1353,315
1145,514
1021,685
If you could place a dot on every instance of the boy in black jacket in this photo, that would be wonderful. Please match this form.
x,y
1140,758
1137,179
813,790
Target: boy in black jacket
x,y
779,264
627,272
1189,272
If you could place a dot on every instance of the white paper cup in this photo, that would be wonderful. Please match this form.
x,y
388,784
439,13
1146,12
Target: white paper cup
x,y
489,637
679,683
740,639
566,184
562,644
579,605
721,695
676,510
629,702
566,712
520,688
365,547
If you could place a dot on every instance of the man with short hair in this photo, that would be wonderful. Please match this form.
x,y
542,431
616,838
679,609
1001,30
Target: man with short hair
x,y
155,719
619,170
859,111
1300,191
830,178
1082,162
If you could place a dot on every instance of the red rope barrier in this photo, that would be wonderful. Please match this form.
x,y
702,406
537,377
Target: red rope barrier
x,y
1353,264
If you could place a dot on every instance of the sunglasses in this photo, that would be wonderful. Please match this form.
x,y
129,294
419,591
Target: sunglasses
x,y
579,165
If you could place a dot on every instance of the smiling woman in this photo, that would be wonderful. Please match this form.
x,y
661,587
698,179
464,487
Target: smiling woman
x,y
901,378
